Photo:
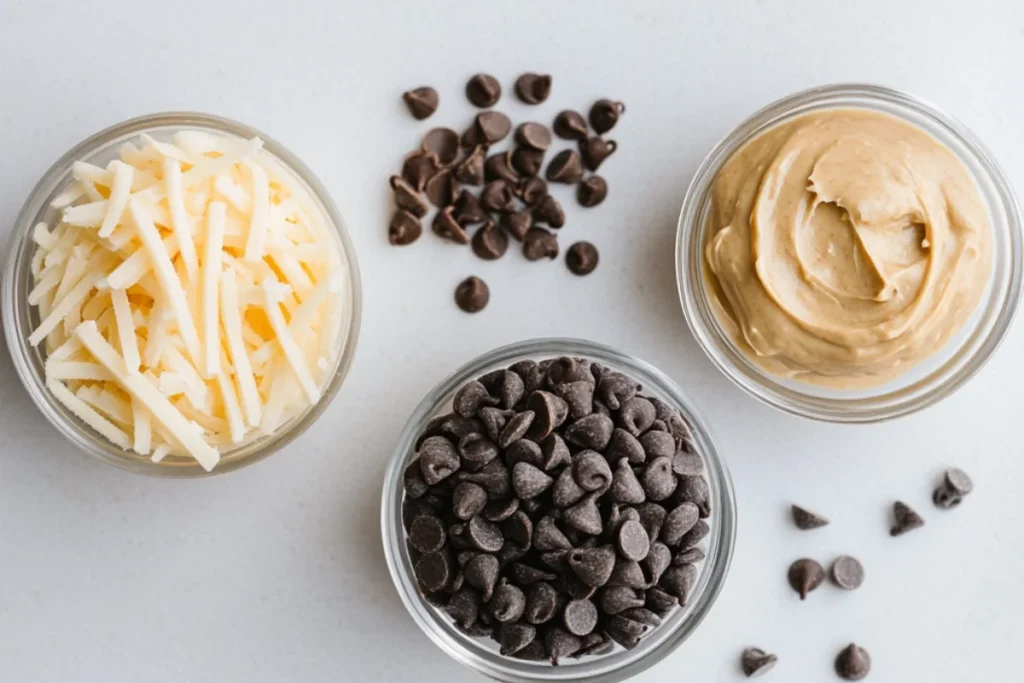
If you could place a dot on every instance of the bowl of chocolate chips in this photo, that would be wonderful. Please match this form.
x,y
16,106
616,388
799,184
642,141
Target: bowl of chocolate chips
x,y
557,510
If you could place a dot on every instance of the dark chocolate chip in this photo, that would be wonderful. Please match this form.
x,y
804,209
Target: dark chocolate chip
x,y
438,459
688,556
805,519
847,572
533,88
591,470
483,90
625,486
471,397
441,189
494,420
585,516
615,599
625,445
427,534
804,576
524,450
642,616
578,395
592,191
551,411
538,243
565,167
404,229
490,242
652,517
659,602
528,162
593,431
433,571
501,509
756,662
958,481
580,617
604,114
695,535
422,102
464,606
406,197
443,143
529,481
518,528
525,575
905,519
549,211
593,152
657,562
534,652
468,210
636,415
482,573
484,535
532,190
493,126
679,522
511,552
517,224
418,168
633,541
516,428
615,389
508,602
468,500
593,565
679,582
542,603
658,480
415,485
447,228
624,632
687,464
556,452
511,390
696,491
533,135
945,499
472,294
566,491
570,125
547,536
658,445
515,637
499,167
581,258
853,663
498,196
628,573
470,171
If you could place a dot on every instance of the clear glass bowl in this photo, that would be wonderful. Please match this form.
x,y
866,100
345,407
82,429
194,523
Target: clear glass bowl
x,y
932,379
19,318
481,654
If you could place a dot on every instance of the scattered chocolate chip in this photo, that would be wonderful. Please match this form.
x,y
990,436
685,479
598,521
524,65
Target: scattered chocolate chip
x,y
853,663
441,189
472,294
406,197
499,167
418,168
532,190
528,162
533,88
470,171
442,143
604,114
592,191
483,90
594,151
804,576
498,196
422,102
517,224
756,662
490,242
447,228
538,243
549,211
467,209
534,136
806,520
492,127
904,519
958,481
570,125
847,572
404,229
565,167
945,499
581,258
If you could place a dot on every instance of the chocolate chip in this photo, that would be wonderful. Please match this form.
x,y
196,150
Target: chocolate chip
x,y
695,535
604,114
625,487
468,500
559,643
853,663
624,632
905,519
494,420
427,534
404,229
493,126
541,603
515,637
529,481
533,135
508,602
512,389
687,464
415,486
581,258
591,191
418,168
472,294
642,616
438,459
484,535
538,243
556,452
443,143
591,469
628,573
441,189
756,662
467,209
593,565
593,152
533,88
585,516
551,411
847,572
566,491
532,190
422,102
804,576
580,617
406,197
490,242
464,607
625,445
578,396
945,499
471,397
483,90
652,517
679,582
547,536
499,167
805,519
518,528
500,510
679,522
498,196
658,480
636,415
447,228
528,162
433,571
549,211
593,431
517,224
482,573
658,560
516,428
565,167
570,125
696,491
525,575
470,171
614,389
957,481
494,477
688,556
660,602
658,445
633,541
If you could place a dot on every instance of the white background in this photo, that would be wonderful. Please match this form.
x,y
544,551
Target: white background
x,y
276,573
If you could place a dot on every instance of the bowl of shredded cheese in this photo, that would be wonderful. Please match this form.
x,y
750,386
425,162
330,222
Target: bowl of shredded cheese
x,y
181,296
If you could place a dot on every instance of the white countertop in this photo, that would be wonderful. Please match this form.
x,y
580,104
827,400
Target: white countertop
x,y
276,573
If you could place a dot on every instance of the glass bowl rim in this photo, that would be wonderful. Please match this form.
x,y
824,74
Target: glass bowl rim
x,y
18,259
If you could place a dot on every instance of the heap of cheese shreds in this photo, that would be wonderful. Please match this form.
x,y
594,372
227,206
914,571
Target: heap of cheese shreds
x,y
189,296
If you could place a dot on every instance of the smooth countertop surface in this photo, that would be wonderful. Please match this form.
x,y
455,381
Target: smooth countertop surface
x,y
276,573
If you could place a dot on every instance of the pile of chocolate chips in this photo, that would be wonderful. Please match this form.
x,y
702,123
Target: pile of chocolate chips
x,y
556,510
502,192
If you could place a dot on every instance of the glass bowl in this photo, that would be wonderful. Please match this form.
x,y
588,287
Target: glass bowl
x,y
19,318
481,654
925,383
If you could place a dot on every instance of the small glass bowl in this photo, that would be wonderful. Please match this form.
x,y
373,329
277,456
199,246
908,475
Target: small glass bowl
x,y
481,654
927,382
19,318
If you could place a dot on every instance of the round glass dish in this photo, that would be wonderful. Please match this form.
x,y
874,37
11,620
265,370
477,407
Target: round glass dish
x,y
481,654
924,384
19,318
